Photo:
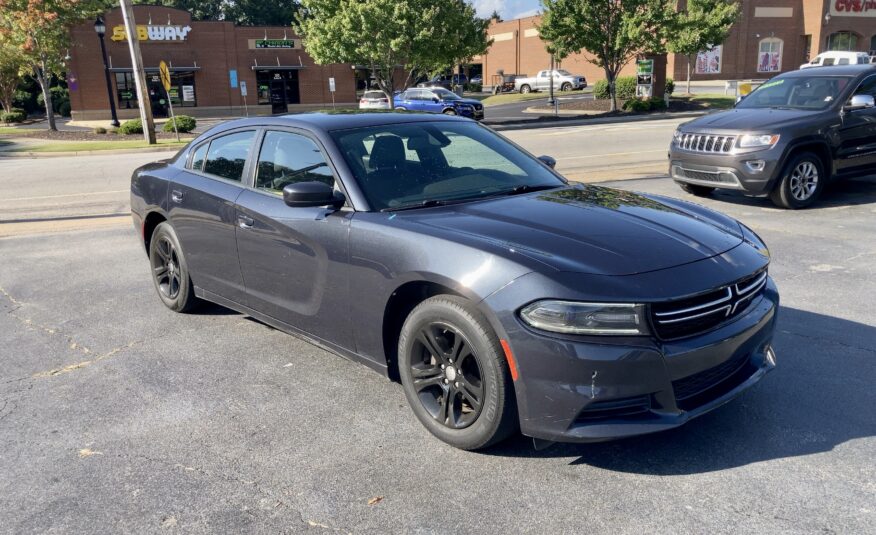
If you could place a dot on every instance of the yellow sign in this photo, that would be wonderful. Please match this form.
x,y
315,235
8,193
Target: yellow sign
x,y
745,88
153,33
164,72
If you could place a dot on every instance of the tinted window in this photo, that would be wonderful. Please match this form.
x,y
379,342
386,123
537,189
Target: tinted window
x,y
843,61
403,165
867,87
227,155
828,61
287,158
798,92
198,157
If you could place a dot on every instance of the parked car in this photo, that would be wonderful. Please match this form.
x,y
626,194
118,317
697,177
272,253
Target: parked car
x,y
563,81
432,250
439,100
787,139
445,81
374,100
477,79
835,57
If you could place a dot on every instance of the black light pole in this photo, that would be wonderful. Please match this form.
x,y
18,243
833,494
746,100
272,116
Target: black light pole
x,y
100,28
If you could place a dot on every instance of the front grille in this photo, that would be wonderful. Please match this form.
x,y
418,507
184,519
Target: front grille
x,y
704,176
617,408
700,388
687,317
706,143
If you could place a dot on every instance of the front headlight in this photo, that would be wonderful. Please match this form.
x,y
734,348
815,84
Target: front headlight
x,y
572,317
676,137
758,140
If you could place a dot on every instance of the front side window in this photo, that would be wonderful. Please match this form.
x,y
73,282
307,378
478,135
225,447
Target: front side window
x,y
769,57
227,155
287,158
402,166
867,87
444,94
797,92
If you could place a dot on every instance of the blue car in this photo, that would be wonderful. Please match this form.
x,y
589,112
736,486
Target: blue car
x,y
437,100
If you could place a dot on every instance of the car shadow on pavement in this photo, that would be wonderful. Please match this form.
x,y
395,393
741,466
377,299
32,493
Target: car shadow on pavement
x,y
851,192
819,397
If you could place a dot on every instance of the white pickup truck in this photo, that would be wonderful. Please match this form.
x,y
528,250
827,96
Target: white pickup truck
x,y
563,81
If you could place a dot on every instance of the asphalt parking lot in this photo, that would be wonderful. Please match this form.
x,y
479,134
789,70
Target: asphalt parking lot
x,y
117,415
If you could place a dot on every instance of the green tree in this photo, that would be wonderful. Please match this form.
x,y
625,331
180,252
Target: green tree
x,y
389,36
262,12
11,63
199,9
39,30
699,27
612,31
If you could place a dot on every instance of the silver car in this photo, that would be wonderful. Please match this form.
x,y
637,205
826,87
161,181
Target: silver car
x,y
374,100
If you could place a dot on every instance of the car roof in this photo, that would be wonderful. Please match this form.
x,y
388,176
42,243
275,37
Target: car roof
x,y
834,70
341,120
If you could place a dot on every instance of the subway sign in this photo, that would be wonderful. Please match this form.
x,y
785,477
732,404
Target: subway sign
x,y
148,32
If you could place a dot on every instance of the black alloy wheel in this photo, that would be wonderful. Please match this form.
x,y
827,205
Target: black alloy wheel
x,y
446,375
454,373
169,270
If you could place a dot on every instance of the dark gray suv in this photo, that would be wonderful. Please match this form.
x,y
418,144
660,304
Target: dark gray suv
x,y
787,139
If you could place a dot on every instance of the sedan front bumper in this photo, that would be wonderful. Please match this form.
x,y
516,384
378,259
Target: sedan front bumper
x,y
589,389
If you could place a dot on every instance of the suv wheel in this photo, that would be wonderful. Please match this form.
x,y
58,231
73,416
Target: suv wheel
x,y
699,191
454,374
801,183
525,89
566,87
449,111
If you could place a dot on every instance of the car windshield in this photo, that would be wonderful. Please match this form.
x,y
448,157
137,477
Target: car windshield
x,y
401,166
797,92
444,94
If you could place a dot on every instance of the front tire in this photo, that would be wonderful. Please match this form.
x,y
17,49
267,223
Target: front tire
x,y
694,189
801,183
454,374
524,89
566,87
170,272
449,111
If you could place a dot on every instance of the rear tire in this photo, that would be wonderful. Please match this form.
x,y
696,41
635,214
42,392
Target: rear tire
x,y
170,272
454,374
802,182
694,189
524,89
400,108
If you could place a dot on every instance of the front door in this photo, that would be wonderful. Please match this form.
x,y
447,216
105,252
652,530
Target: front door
x,y
157,96
278,96
202,211
857,153
294,260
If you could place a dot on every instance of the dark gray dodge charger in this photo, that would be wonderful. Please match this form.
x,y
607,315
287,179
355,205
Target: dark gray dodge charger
x,y
438,253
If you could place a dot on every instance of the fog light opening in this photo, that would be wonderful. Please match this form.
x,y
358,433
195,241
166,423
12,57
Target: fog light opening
x,y
755,166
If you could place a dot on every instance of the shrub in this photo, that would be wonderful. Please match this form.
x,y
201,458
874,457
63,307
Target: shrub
x,y
64,108
670,86
640,105
625,87
134,126
99,130
184,124
657,104
15,115
60,95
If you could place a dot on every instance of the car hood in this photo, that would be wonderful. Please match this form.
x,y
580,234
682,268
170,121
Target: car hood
x,y
592,229
748,120
469,101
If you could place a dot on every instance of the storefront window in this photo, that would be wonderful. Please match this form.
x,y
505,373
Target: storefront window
x,y
182,89
127,91
769,58
842,41
873,46
282,83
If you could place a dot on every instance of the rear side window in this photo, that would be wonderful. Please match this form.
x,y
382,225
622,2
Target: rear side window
x,y
288,158
843,61
867,87
227,155
198,157
828,61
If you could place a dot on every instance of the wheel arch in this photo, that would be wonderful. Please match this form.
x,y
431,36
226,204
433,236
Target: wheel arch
x,y
819,148
152,220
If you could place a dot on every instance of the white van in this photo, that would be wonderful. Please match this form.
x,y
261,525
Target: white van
x,y
836,57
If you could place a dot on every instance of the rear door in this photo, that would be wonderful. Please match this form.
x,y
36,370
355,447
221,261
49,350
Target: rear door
x,y
857,153
294,260
203,213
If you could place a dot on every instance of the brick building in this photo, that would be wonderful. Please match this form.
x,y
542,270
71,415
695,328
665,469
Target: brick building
x,y
210,63
771,36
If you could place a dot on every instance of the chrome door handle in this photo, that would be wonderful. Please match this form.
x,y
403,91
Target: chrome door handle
x,y
245,221
176,196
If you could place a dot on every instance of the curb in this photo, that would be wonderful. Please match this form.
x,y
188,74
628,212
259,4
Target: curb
x,y
26,154
554,123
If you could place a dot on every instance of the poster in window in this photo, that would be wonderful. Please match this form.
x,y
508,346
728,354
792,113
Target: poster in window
x,y
769,62
709,61
188,92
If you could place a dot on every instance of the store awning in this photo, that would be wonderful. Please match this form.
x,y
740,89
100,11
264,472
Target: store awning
x,y
155,69
277,67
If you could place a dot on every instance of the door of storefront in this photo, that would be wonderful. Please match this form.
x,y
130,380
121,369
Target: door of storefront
x,y
278,96
157,95
279,88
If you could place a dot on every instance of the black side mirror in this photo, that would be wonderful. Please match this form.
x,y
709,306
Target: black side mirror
x,y
304,194
548,161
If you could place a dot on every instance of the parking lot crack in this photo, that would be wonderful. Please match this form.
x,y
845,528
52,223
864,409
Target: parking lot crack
x,y
837,342
79,365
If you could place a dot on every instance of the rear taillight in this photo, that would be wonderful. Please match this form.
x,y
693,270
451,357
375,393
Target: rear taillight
x,y
363,101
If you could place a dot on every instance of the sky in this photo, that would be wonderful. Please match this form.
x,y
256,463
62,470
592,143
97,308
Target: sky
x,y
508,9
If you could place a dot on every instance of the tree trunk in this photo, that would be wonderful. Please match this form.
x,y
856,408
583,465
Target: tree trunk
x,y
47,96
688,74
612,89
6,100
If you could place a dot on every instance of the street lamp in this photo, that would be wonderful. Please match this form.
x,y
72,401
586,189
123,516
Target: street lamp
x,y
100,29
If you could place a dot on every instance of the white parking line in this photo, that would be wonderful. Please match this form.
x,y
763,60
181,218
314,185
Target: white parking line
x,y
66,195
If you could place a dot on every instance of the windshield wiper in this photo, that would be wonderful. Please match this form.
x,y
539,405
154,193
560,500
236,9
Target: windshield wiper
x,y
526,188
423,204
